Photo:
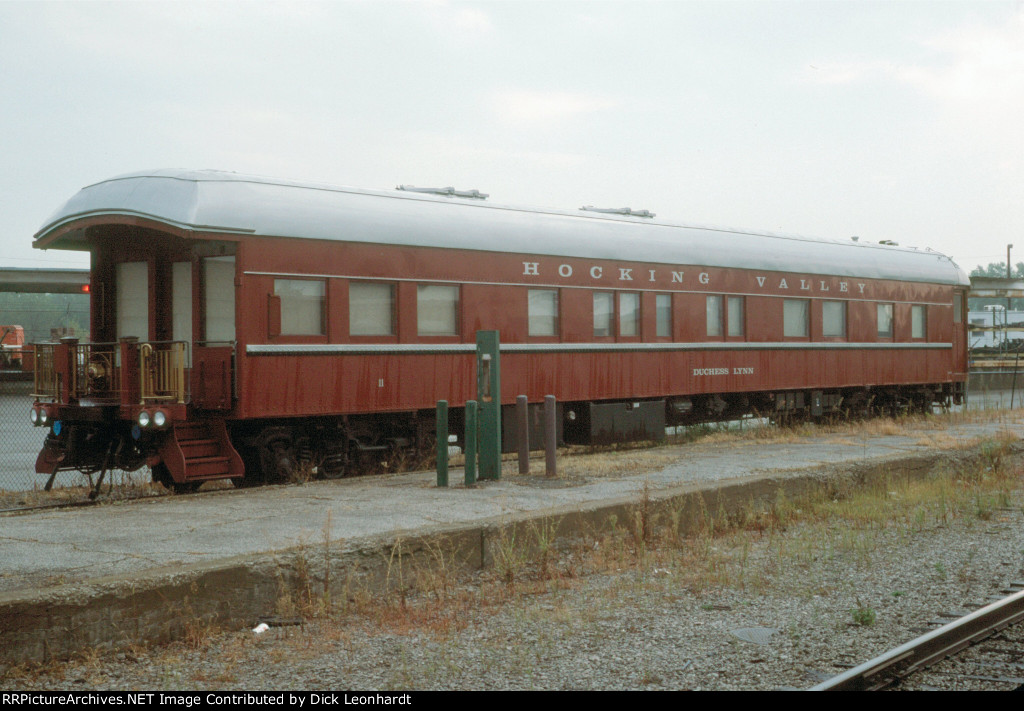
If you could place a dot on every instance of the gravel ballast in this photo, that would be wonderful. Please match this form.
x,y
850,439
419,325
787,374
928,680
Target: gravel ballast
x,y
781,605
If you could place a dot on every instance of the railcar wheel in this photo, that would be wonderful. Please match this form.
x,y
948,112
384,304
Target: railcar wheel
x,y
254,475
162,475
789,418
923,403
277,458
284,462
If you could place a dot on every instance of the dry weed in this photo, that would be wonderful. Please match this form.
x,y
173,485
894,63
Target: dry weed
x,y
701,548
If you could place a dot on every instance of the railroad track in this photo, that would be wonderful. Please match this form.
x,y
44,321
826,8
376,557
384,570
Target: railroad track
x,y
990,638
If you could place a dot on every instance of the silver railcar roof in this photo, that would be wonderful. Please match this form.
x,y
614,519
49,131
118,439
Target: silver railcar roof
x,y
216,201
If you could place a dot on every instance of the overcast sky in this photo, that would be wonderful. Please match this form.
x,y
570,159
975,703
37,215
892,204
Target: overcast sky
x,y
892,120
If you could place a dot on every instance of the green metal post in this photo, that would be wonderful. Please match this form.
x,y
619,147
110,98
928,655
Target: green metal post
x,y
471,437
523,433
442,443
488,391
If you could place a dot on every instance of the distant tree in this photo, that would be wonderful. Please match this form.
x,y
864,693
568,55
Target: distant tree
x,y
998,269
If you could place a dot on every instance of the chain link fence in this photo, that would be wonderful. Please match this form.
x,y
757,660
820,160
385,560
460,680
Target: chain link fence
x,y
20,442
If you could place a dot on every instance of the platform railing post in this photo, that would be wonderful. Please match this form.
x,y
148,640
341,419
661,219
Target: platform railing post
x,y
67,368
550,436
471,436
442,443
523,433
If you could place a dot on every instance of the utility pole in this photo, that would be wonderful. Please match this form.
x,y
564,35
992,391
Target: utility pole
x,y
1006,314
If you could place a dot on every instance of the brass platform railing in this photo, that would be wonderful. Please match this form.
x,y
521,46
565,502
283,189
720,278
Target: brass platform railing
x,y
162,371
95,374
125,372
44,386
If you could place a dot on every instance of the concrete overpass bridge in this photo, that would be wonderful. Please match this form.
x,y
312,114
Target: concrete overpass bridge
x,y
44,281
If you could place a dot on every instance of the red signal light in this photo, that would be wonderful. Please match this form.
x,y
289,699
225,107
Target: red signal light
x,y
85,288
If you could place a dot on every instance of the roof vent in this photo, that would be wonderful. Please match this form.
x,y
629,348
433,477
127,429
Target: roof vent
x,y
476,194
619,211
855,238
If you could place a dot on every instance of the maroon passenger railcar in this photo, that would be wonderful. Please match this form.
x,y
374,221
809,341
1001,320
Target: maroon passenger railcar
x,y
243,325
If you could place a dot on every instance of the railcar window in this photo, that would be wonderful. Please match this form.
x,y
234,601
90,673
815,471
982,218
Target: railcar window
x,y
663,310
220,298
833,319
629,314
735,315
181,301
885,320
302,306
371,309
796,318
133,300
604,308
543,312
918,322
437,310
714,312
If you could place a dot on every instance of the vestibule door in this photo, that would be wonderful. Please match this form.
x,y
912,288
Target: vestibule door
x,y
212,364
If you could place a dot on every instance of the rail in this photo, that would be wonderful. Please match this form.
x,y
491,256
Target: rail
x,y
927,649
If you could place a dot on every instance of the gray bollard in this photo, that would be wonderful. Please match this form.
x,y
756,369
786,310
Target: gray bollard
x,y
523,433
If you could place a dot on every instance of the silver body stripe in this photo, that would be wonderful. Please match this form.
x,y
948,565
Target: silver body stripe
x,y
442,348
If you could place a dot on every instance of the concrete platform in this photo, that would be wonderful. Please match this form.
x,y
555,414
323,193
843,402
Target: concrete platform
x,y
125,572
